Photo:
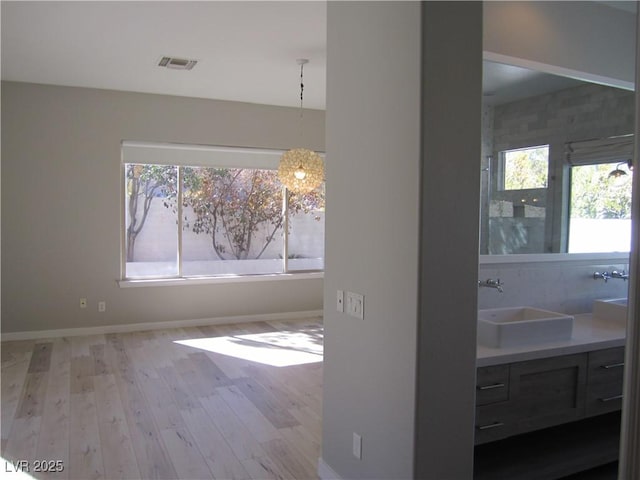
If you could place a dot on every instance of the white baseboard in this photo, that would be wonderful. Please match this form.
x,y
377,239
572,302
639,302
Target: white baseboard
x,y
136,327
325,472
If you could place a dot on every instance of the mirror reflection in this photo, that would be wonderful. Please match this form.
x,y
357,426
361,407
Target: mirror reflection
x,y
556,164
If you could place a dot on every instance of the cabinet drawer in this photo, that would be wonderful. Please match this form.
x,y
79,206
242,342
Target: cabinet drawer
x,y
604,398
493,422
492,384
604,383
606,366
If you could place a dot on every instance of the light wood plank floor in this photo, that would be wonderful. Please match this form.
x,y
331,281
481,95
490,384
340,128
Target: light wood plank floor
x,y
227,402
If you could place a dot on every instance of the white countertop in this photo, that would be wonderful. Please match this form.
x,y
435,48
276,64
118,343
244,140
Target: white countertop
x,y
589,333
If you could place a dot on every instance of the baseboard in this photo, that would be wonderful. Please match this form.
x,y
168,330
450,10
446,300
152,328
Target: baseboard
x,y
325,472
136,327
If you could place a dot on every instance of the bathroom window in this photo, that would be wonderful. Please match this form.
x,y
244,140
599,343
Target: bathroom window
x,y
600,208
524,168
212,212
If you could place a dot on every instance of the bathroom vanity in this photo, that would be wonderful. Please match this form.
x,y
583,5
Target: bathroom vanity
x,y
550,409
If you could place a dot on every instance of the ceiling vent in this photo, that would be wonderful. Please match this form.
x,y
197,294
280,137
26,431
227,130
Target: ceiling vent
x,y
177,63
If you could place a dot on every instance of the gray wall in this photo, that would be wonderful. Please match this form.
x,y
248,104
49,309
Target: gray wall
x,y
373,135
372,127
451,132
61,205
629,466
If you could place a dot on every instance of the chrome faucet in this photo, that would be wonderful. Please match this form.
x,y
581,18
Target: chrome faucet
x,y
623,275
491,283
614,274
604,275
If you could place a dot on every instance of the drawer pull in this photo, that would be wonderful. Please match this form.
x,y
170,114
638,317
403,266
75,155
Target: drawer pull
x,y
491,425
493,385
611,399
613,365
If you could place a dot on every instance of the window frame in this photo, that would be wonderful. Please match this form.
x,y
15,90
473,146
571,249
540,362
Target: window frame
x,y
502,167
604,160
152,153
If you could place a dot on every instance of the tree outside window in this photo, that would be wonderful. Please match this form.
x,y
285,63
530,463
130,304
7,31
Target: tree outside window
x,y
231,221
525,168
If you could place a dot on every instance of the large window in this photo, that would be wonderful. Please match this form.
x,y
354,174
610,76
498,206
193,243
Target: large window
x,y
600,208
208,211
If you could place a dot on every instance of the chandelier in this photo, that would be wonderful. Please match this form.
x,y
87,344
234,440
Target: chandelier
x,y
301,170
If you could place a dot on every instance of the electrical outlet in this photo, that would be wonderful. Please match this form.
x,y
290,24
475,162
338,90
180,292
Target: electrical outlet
x,y
83,303
357,446
102,306
340,301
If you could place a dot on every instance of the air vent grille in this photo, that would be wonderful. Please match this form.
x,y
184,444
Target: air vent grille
x,y
177,63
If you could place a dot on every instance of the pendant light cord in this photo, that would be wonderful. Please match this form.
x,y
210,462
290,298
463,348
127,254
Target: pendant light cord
x,y
301,96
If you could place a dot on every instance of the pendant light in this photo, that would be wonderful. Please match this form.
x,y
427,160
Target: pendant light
x,y
618,176
301,170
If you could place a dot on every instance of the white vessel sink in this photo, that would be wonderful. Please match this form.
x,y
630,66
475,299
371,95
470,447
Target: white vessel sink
x,y
614,309
515,326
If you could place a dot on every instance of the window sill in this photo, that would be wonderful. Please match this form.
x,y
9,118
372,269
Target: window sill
x,y
172,282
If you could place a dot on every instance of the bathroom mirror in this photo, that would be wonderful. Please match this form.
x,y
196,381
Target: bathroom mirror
x,y
555,164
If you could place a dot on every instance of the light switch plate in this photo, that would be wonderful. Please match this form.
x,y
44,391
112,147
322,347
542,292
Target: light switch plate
x,y
355,305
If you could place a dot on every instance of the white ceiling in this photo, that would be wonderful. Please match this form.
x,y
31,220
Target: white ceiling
x,y
246,51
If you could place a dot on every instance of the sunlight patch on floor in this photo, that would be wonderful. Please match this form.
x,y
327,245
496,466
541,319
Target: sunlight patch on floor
x,y
278,349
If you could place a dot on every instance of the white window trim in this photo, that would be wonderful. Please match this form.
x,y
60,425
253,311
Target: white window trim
x,y
183,281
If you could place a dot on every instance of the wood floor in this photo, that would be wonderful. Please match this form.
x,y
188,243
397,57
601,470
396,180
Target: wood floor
x,y
141,405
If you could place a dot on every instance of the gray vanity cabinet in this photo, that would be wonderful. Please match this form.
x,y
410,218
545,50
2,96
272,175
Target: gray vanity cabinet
x,y
527,396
